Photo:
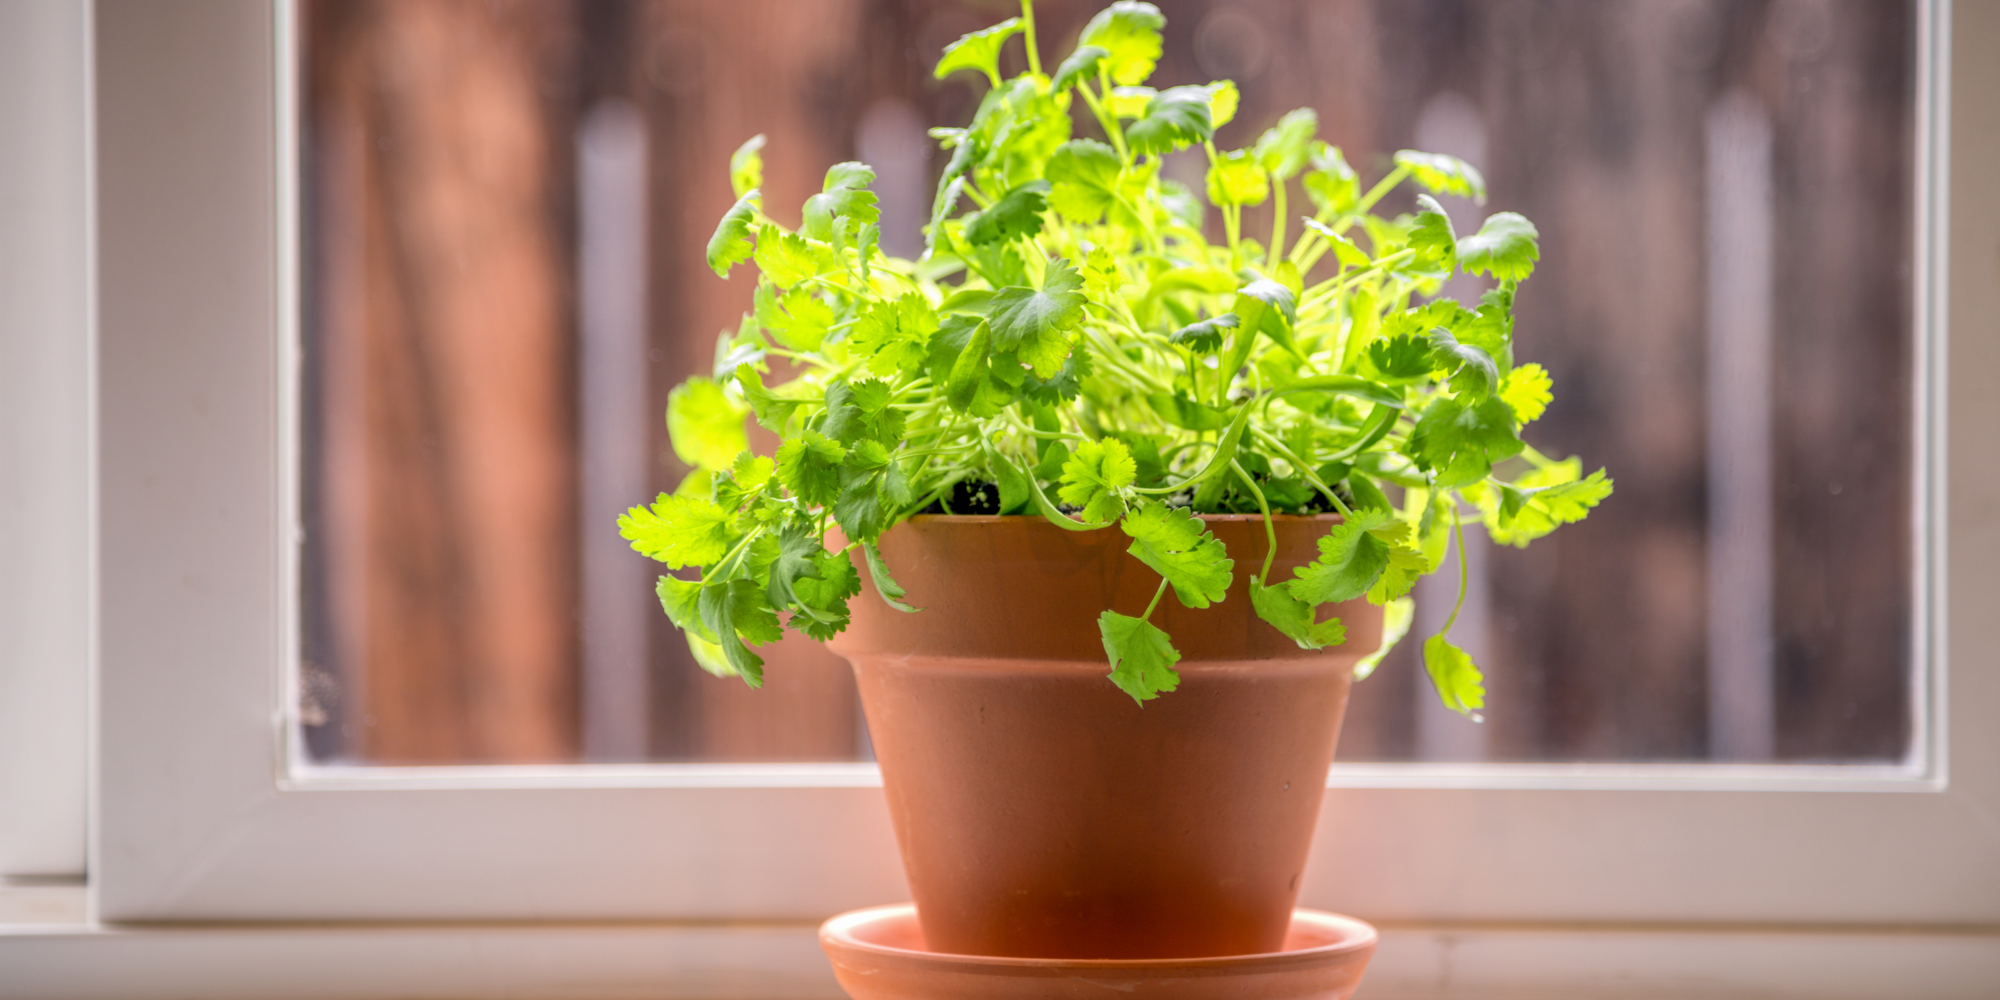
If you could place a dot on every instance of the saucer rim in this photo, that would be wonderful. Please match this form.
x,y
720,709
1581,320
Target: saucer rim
x,y
1358,936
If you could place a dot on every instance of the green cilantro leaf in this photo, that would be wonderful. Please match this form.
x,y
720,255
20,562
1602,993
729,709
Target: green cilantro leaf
x,y
1179,547
681,599
1526,390
1401,357
844,202
798,549
1284,147
979,50
1474,376
1176,118
1130,102
798,320
860,411
704,425
1351,556
1033,322
1067,382
1101,277
809,466
822,597
730,245
1443,174
1542,501
679,530
708,656
752,471
1332,184
1345,250
736,611
1453,674
1186,413
1142,657
868,454
1506,247
1459,443
968,372
1238,178
1432,237
999,263
733,487
894,334
771,409
1223,98
1081,65
1406,565
1095,478
1014,487
859,509
785,258
886,586
1495,318
1397,616
949,192
1016,215
746,166
745,346
1206,336
1129,32
1084,178
1267,306
1294,617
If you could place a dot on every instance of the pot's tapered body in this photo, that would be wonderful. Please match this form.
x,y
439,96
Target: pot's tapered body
x,y
1041,812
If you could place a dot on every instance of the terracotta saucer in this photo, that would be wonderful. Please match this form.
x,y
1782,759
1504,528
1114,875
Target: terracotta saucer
x,y
878,954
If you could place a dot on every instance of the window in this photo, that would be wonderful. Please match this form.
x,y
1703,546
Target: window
x,y
501,204
199,819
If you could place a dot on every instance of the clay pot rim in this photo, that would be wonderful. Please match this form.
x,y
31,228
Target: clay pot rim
x,y
838,934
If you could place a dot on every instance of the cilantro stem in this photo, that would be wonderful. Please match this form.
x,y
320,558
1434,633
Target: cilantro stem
x,y
1157,594
1381,188
1380,422
1200,474
726,569
1105,119
1117,359
1464,571
1536,458
1304,469
1277,219
1022,427
1311,245
1270,530
1331,287
1028,33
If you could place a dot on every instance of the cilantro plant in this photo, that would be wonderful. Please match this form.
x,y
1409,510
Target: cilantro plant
x,y
1072,345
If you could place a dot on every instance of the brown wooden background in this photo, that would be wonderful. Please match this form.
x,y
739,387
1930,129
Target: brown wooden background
x,y
442,572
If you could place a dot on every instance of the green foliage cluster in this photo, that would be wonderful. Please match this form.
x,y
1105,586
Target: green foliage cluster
x,y
1072,337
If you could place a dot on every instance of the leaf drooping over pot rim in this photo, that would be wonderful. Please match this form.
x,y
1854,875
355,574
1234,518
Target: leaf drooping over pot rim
x,y
1073,337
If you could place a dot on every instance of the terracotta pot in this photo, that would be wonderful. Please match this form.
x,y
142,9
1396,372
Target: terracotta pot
x,y
1043,813
880,954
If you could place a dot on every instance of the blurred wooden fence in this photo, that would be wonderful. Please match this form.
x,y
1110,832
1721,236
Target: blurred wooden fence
x,y
443,561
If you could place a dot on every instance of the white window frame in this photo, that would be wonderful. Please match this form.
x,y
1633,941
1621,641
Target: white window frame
x,y
45,437
1504,874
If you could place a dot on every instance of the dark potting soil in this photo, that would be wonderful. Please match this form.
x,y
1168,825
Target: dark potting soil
x,y
969,496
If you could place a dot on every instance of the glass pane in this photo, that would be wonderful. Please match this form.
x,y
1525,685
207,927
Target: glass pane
x,y
506,206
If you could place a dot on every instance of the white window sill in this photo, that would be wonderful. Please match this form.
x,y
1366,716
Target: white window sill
x,y
51,951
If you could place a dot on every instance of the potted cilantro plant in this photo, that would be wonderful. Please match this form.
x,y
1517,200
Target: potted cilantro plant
x,y
1075,401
